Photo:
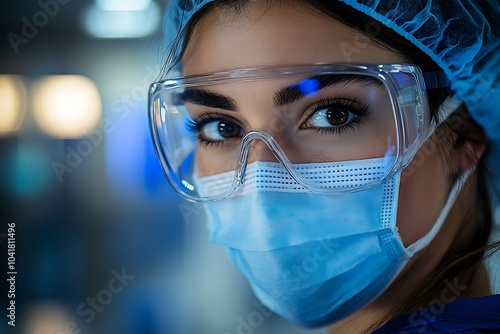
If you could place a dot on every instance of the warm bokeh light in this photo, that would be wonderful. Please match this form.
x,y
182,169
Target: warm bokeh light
x,y
47,317
66,106
12,106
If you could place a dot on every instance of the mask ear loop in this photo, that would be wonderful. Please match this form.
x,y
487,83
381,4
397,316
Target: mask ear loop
x,y
453,195
450,105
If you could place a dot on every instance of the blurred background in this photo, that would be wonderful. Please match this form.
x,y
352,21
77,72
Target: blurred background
x,y
102,244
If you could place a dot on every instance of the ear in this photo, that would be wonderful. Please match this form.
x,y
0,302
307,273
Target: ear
x,y
473,144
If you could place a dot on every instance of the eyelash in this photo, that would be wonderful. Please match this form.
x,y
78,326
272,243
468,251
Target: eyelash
x,y
195,125
359,110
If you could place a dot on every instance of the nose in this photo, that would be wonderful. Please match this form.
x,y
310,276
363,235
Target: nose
x,y
261,146
260,151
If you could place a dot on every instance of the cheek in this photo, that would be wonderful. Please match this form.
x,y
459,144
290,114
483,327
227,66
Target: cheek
x,y
202,165
422,194
210,162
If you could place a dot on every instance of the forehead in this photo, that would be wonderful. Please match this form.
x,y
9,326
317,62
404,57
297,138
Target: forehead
x,y
277,34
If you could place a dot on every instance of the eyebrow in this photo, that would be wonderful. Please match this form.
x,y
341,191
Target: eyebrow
x,y
282,97
313,85
204,97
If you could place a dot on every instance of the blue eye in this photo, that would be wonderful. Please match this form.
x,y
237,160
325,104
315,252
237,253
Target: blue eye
x,y
219,130
214,129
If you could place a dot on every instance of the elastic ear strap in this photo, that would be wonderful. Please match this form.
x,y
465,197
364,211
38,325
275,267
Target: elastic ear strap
x,y
445,110
455,191
449,105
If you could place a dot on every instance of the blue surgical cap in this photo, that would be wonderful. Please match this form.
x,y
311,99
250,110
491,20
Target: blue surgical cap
x,y
461,36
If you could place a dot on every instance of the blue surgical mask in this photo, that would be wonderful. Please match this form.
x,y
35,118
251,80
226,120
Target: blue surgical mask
x,y
314,258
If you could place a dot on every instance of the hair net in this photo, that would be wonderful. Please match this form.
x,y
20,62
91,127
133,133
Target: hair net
x,y
461,36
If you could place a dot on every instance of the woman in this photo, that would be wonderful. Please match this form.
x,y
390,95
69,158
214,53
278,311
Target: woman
x,y
333,147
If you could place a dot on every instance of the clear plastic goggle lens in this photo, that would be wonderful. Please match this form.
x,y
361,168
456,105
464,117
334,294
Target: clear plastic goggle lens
x,y
322,127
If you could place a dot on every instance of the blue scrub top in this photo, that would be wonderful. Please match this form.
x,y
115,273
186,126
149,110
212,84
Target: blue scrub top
x,y
464,315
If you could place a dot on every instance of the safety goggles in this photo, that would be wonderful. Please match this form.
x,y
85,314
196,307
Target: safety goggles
x,y
210,131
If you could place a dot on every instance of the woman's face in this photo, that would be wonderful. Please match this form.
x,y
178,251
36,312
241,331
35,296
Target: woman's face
x,y
282,35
